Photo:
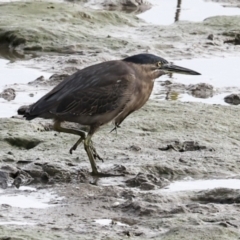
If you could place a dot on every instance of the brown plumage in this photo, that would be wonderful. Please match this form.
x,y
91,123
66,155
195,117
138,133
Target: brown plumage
x,y
101,93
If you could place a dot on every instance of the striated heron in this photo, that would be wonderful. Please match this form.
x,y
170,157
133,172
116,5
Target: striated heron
x,y
101,93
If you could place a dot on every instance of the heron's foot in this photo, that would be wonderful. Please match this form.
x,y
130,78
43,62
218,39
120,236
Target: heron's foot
x,y
116,171
94,152
74,147
115,129
102,174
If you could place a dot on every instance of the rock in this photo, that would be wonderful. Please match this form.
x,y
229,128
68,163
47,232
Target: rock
x,y
38,81
57,78
210,37
3,179
22,178
218,195
233,99
8,94
165,83
12,171
52,81
134,148
57,172
211,232
138,208
147,186
183,147
135,6
200,90
36,172
235,40
146,181
22,142
173,90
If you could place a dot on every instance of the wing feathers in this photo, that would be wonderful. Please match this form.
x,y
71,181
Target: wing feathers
x,y
93,90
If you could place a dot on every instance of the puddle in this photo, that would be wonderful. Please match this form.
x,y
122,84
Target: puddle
x,y
222,73
11,74
195,185
114,181
34,199
217,99
165,12
106,222
219,72
26,188
17,74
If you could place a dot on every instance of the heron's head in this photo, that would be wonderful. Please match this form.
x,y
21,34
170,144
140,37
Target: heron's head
x,y
159,65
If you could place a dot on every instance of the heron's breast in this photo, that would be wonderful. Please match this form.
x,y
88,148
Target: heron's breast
x,y
142,93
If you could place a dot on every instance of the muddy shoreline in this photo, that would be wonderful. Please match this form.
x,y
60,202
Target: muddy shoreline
x,y
164,142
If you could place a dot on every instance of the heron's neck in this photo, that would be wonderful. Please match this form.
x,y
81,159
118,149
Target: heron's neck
x,y
150,73
157,74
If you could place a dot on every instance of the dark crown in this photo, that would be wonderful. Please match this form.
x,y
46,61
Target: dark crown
x,y
145,58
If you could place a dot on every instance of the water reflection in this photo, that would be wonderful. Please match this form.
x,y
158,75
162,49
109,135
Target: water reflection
x,y
178,10
173,96
165,12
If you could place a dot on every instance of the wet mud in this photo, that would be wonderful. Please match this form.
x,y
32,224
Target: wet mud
x,y
179,160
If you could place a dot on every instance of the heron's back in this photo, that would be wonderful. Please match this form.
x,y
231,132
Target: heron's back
x,y
94,95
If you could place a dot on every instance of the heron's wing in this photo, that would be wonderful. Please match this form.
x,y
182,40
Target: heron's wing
x,y
97,82
94,101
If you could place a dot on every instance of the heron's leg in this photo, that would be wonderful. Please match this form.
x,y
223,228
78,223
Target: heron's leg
x,y
95,154
90,152
74,147
57,127
87,147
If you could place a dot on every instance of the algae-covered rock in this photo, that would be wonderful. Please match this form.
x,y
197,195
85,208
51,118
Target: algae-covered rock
x,y
219,195
199,232
59,27
8,94
21,142
233,99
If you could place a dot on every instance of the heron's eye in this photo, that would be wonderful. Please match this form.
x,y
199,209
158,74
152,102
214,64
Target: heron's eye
x,y
159,64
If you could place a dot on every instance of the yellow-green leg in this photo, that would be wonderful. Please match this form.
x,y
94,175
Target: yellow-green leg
x,y
87,147
91,152
57,127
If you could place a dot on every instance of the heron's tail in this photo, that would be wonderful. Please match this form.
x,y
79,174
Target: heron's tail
x,y
24,110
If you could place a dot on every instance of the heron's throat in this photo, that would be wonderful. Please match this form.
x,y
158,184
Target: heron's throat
x,y
150,72
157,73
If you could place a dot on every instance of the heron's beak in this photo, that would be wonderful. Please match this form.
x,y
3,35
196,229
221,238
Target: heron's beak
x,y
170,68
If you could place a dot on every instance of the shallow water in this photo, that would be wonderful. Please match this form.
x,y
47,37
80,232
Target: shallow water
x,y
222,73
165,12
219,72
116,181
13,75
30,199
195,185
109,222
